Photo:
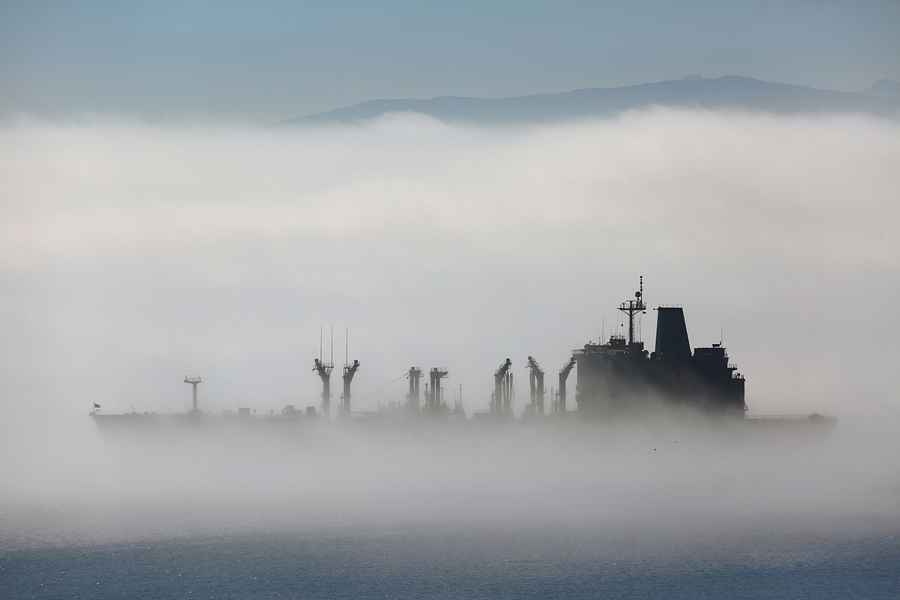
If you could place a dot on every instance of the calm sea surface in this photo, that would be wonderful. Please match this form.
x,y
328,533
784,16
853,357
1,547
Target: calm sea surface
x,y
746,557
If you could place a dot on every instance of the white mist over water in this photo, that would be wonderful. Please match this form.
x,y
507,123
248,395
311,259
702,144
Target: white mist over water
x,y
132,255
674,469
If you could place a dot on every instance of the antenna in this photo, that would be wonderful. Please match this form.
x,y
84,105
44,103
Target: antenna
x,y
347,346
332,344
633,307
320,343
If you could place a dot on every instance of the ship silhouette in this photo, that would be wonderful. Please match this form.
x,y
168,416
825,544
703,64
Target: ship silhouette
x,y
615,378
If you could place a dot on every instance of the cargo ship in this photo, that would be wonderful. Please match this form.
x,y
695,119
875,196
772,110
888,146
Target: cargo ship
x,y
615,378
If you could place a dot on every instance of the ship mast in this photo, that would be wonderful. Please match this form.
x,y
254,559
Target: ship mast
x,y
193,381
633,307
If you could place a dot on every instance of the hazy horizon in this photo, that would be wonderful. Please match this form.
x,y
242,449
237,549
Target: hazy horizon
x,y
270,61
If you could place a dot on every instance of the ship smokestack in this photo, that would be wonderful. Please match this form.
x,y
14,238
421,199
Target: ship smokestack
x,y
671,334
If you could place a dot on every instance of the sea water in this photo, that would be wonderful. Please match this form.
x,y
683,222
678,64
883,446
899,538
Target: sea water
x,y
656,511
751,556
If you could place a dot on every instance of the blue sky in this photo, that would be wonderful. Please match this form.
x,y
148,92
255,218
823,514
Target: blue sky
x,y
267,61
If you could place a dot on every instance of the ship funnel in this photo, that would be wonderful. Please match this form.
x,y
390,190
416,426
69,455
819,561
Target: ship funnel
x,y
671,334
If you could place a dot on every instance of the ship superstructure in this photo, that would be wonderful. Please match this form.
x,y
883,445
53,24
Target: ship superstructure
x,y
620,376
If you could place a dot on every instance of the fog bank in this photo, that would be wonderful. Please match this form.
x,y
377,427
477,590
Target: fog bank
x,y
132,255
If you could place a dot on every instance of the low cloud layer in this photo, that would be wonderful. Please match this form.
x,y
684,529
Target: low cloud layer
x,y
132,255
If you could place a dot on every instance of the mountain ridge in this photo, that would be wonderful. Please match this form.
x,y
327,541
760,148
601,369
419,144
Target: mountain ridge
x,y
729,92
885,88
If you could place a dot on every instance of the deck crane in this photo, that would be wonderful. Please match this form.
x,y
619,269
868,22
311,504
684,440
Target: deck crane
x,y
499,377
349,372
563,375
433,400
324,370
412,398
537,386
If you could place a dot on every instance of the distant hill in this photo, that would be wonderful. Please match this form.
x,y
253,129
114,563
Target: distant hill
x,y
886,88
730,92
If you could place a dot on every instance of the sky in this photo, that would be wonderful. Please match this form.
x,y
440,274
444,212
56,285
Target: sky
x,y
271,61
153,227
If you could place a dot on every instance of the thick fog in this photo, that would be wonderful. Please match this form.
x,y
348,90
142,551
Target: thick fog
x,y
133,255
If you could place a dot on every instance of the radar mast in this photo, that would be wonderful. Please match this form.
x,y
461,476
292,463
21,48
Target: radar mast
x,y
633,307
